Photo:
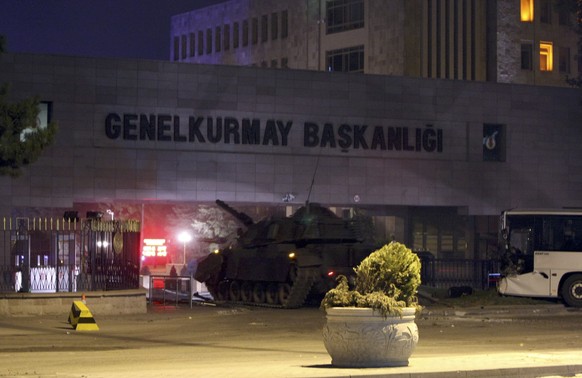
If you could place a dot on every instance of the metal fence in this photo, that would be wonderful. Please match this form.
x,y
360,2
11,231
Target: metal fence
x,y
45,255
446,273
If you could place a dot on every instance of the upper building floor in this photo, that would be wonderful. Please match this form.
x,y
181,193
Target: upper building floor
x,y
508,41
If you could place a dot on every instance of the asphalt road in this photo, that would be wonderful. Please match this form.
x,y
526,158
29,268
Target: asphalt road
x,y
226,341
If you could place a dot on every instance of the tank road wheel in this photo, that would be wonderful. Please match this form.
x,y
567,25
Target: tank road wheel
x,y
259,293
272,294
222,291
246,291
572,291
284,292
234,291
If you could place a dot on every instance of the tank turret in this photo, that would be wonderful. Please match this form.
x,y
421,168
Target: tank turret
x,y
285,261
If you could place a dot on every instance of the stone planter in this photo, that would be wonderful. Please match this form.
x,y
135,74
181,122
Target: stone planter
x,y
360,337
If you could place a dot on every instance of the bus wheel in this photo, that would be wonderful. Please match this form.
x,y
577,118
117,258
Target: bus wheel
x,y
572,291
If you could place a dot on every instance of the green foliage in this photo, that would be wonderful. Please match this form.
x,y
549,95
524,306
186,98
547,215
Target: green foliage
x,y
387,280
21,141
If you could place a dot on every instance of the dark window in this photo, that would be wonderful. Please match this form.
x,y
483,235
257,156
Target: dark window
x,y
245,31
526,56
284,63
264,28
218,40
274,26
284,24
545,11
564,17
192,44
274,63
255,31
208,41
235,36
176,48
344,15
200,43
564,59
226,37
346,60
184,46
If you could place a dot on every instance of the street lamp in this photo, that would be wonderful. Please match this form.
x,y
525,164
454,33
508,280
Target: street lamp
x,y
184,237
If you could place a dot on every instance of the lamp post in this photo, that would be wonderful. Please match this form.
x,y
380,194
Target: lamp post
x,y
184,237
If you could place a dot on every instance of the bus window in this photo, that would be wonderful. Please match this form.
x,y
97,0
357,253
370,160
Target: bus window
x,y
522,249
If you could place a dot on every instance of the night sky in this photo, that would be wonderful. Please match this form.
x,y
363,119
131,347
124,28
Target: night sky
x,y
97,28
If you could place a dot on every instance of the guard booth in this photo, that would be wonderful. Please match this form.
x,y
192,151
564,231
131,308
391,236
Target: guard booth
x,y
47,255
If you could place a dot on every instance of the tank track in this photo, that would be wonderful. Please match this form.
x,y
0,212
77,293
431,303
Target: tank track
x,y
300,289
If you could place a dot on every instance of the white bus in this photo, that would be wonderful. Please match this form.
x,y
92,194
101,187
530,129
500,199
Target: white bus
x,y
542,254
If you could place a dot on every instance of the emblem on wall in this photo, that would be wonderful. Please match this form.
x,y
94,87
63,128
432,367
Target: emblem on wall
x,y
493,142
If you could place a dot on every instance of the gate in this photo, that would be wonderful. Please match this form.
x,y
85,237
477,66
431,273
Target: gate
x,y
47,255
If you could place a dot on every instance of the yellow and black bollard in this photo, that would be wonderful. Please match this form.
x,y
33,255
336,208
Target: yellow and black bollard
x,y
81,318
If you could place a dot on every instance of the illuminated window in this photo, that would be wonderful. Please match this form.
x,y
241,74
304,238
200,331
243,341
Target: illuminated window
x,y
527,10
546,56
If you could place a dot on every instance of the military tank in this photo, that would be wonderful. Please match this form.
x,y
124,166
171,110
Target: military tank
x,y
285,261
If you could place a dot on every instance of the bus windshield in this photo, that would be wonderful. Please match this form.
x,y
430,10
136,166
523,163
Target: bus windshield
x,y
527,233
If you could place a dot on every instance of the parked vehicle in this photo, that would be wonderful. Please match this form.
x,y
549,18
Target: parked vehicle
x,y
285,261
542,254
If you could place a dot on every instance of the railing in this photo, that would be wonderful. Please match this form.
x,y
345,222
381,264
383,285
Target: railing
x,y
446,273
45,279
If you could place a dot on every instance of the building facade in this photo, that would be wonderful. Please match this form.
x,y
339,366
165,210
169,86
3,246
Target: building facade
x,y
432,161
507,41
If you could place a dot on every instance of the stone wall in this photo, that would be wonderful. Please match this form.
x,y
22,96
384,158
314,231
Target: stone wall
x,y
123,302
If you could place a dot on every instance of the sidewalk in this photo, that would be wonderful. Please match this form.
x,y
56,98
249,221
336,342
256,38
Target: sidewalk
x,y
498,341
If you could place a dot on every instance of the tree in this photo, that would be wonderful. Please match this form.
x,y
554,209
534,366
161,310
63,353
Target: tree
x,y
22,140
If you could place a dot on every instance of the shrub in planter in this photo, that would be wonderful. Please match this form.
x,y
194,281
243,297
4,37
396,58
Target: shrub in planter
x,y
373,324
387,281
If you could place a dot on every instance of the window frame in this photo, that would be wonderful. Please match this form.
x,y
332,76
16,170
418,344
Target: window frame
x,y
547,51
344,15
344,58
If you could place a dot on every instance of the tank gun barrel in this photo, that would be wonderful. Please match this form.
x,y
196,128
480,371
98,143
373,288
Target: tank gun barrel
x,y
241,217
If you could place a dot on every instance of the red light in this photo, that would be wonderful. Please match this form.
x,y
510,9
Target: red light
x,y
331,273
